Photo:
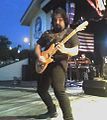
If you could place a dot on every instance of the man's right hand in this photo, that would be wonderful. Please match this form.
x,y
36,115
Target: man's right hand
x,y
42,59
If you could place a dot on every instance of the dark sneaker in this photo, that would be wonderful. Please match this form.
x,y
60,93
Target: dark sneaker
x,y
47,115
52,115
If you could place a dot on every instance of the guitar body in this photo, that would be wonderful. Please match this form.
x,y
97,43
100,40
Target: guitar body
x,y
40,66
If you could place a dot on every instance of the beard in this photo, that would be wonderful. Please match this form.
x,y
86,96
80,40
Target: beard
x,y
57,28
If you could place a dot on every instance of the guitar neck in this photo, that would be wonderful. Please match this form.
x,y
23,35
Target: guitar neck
x,y
79,28
69,36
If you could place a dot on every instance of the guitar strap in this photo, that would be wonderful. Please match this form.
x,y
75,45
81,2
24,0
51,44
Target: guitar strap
x,y
60,36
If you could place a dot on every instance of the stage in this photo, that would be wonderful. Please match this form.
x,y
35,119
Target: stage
x,y
23,103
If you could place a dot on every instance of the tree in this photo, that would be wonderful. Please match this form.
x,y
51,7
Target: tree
x,y
4,47
6,53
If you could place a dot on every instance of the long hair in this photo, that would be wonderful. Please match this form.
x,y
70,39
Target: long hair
x,y
63,15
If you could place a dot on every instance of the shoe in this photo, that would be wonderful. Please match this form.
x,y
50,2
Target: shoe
x,y
51,114
47,115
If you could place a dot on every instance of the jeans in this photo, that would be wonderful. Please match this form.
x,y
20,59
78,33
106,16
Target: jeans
x,y
55,75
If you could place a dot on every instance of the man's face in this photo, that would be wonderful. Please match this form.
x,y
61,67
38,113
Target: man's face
x,y
59,23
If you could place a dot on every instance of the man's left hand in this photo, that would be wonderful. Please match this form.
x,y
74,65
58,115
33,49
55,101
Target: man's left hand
x,y
61,47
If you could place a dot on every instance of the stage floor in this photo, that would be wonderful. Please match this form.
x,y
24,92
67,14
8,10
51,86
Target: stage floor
x,y
17,103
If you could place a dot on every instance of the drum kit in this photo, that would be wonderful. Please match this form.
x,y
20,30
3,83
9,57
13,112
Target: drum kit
x,y
80,70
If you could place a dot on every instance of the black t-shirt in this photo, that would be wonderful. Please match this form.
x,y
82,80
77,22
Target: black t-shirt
x,y
49,37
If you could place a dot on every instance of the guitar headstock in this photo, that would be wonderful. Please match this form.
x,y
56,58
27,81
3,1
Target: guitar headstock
x,y
82,26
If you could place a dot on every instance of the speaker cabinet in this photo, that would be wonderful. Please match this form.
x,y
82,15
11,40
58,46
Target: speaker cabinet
x,y
97,87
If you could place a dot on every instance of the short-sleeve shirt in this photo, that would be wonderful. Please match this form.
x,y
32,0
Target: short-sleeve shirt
x,y
49,37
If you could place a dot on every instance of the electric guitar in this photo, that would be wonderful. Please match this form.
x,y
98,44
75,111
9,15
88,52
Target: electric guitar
x,y
41,66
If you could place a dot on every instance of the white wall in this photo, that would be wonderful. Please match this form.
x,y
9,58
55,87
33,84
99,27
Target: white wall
x,y
46,20
13,70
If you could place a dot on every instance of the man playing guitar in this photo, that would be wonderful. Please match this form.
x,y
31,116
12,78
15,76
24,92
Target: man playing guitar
x,y
55,73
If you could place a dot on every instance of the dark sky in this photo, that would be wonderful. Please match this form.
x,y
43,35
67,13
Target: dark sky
x,y
11,12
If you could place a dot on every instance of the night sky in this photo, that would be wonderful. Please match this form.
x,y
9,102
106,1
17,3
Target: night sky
x,y
11,12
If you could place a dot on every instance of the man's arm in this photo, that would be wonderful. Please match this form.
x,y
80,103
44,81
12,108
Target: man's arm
x,y
38,50
38,53
70,51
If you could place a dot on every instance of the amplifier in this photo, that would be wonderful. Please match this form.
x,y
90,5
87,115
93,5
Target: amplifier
x,y
97,87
